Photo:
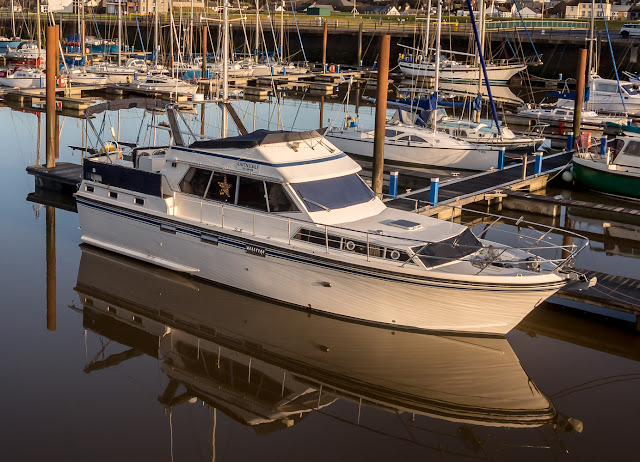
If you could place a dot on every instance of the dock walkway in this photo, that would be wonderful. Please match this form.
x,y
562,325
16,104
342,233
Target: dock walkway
x,y
469,189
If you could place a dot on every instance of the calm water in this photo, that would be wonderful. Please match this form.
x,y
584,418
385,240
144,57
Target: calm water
x,y
144,364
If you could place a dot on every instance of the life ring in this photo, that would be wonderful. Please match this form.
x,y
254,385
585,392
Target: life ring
x,y
332,68
60,81
350,122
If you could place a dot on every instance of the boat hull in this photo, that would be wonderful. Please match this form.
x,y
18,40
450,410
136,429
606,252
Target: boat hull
x,y
310,280
455,158
22,83
462,73
596,176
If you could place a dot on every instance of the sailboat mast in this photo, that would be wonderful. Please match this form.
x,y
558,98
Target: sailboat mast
x,y
191,34
481,13
257,30
13,20
225,66
426,34
591,40
39,33
436,81
119,32
282,32
156,48
82,32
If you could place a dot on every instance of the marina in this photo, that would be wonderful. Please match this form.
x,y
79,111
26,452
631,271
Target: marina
x,y
248,238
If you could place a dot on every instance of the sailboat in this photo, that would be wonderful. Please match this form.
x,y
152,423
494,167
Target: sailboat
x,y
417,62
408,140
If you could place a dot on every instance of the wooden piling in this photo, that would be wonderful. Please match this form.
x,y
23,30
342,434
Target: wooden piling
x,y
360,30
204,51
577,112
51,264
321,111
381,114
51,97
324,47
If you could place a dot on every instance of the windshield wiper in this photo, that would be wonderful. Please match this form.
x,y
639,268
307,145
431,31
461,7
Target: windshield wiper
x,y
327,209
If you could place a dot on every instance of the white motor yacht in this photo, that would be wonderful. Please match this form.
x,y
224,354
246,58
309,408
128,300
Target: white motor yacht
x,y
556,115
606,95
285,216
22,77
268,366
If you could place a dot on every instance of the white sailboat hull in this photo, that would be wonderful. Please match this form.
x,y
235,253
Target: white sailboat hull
x,y
309,279
457,155
461,72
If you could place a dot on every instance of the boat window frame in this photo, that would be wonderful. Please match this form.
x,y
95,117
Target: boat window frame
x,y
290,194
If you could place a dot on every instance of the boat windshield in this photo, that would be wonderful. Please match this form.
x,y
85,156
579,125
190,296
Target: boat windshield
x,y
456,247
333,193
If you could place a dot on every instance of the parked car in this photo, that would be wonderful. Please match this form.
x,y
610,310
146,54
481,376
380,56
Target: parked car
x,y
630,30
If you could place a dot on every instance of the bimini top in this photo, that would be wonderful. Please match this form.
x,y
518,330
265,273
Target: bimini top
x,y
257,138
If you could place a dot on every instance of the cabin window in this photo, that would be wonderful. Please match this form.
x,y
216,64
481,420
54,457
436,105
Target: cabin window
x,y
333,193
607,87
195,181
138,201
388,133
278,199
348,244
413,138
633,149
89,188
251,193
113,195
223,187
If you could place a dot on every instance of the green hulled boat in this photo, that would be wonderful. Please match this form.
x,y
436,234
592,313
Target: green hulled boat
x,y
616,172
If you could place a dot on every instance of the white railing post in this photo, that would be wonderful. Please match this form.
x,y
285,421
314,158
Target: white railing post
x,y
222,211
289,229
367,246
326,238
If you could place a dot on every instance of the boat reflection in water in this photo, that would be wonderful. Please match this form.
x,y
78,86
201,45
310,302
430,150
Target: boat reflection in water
x,y
264,364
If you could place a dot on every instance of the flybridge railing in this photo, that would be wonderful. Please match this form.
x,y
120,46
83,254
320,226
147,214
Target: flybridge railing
x,y
333,239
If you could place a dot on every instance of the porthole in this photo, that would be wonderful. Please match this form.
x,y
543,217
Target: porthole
x,y
395,254
350,245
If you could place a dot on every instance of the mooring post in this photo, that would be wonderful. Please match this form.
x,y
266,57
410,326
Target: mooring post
x,y
360,30
324,48
538,164
433,191
501,154
51,264
603,145
204,52
57,117
577,111
51,97
381,114
393,184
